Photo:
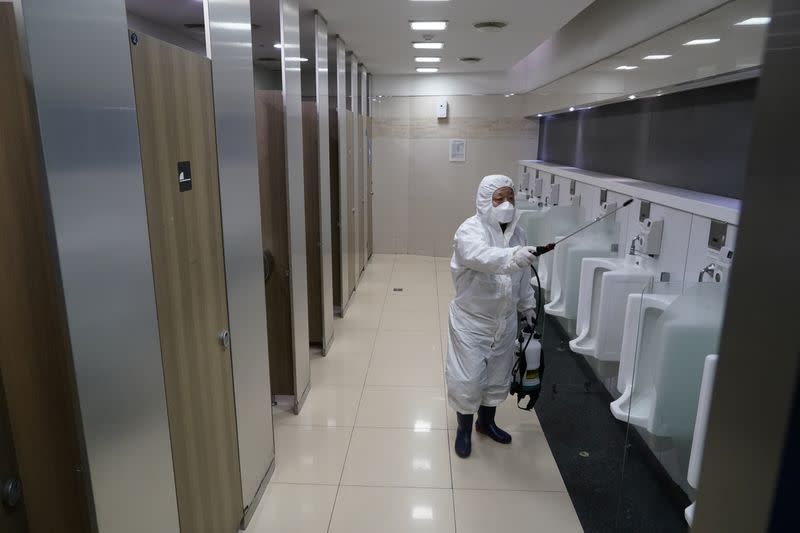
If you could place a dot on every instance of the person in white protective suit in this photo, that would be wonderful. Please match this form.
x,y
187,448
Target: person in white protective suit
x,y
491,272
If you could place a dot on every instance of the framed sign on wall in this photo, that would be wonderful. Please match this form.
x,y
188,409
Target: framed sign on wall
x,y
458,150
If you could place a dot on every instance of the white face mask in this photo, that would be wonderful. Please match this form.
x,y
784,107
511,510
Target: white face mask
x,y
504,213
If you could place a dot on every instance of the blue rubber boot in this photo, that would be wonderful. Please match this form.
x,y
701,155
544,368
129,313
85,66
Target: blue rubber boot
x,y
464,436
486,426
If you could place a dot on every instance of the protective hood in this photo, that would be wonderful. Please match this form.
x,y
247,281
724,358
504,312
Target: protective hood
x,y
483,202
489,184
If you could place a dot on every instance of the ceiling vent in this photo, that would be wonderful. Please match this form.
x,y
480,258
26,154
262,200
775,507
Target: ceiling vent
x,y
490,25
470,59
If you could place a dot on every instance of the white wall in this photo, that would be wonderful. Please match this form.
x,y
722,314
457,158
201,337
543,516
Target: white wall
x,y
420,196
478,83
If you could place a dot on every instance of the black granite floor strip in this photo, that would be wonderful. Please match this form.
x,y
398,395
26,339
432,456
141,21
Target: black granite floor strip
x,y
590,447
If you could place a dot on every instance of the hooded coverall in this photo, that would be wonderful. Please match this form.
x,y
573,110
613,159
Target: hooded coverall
x,y
490,289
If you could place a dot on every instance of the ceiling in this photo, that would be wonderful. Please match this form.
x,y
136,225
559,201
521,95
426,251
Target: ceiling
x,y
379,34
740,49
378,31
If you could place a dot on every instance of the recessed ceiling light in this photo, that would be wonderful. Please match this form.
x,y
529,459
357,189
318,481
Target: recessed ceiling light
x,y
626,67
653,57
509,95
572,109
428,25
695,42
755,21
538,114
427,70
428,59
428,45
632,97
490,25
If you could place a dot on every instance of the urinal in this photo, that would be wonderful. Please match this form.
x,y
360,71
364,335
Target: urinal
x,y
534,222
642,312
566,278
605,284
545,225
700,427
661,392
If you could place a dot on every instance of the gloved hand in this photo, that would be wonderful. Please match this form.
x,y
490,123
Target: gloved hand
x,y
524,257
530,316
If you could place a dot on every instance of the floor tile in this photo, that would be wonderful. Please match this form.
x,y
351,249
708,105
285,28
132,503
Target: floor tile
x,y
409,259
411,370
325,406
422,299
393,510
399,344
373,298
508,416
480,511
290,508
332,370
401,407
398,458
349,347
404,320
362,316
382,259
525,464
344,327
310,455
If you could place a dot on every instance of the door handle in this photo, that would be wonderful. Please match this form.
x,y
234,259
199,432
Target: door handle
x,y
11,492
225,338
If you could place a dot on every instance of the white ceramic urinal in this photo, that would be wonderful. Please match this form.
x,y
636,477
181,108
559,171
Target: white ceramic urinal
x,y
566,276
605,284
700,426
641,315
665,384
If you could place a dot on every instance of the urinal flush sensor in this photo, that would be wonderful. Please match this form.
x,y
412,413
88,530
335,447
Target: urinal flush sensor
x,y
648,241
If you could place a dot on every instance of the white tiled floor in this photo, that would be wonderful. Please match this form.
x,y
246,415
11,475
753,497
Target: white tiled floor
x,y
372,448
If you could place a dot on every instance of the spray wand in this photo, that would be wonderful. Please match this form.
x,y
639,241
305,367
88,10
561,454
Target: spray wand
x,y
549,247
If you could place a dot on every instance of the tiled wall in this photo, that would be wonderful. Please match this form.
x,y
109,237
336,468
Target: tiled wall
x,y
420,196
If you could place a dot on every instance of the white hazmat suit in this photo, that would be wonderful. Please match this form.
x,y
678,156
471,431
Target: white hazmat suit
x,y
490,288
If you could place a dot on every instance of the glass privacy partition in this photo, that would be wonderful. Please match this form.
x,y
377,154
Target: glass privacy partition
x,y
671,339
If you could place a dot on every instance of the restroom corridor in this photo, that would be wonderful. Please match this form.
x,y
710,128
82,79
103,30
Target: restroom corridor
x,y
372,448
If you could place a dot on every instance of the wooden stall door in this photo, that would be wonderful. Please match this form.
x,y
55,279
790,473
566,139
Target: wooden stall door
x,y
313,231
271,138
12,517
362,193
336,241
370,191
174,102
352,245
39,429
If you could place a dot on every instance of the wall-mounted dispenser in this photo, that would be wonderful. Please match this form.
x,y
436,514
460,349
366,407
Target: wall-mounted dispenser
x,y
648,241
